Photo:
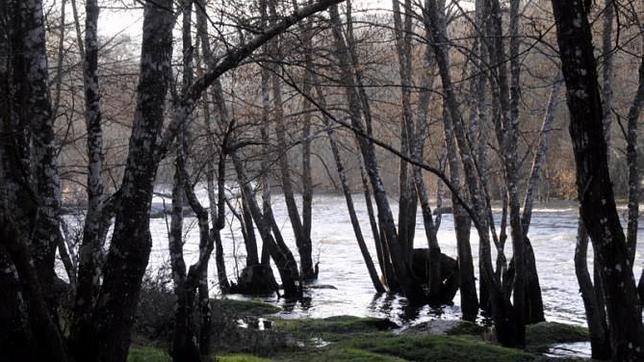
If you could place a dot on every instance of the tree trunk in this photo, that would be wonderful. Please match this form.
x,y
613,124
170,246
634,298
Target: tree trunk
x,y
131,240
302,240
401,266
599,341
91,249
307,182
598,210
184,346
44,331
222,277
540,154
408,200
284,260
608,14
503,312
508,99
16,341
633,170
29,176
371,269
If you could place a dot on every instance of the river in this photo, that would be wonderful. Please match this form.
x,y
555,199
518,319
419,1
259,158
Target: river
x,y
552,232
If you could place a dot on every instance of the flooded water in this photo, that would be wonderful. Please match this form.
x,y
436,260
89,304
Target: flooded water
x,y
345,287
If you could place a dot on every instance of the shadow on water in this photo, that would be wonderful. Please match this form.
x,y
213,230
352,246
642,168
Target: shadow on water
x,y
293,305
400,310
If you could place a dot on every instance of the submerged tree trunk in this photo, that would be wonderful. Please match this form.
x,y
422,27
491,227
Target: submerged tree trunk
x,y
401,265
407,200
302,240
202,32
462,224
346,190
284,260
307,181
598,209
503,312
507,95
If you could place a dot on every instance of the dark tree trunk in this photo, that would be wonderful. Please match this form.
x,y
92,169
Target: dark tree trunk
x,y
252,257
633,170
307,181
48,342
131,241
28,127
29,185
279,252
595,318
16,342
598,210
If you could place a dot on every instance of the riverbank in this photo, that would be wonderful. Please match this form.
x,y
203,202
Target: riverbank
x,y
251,331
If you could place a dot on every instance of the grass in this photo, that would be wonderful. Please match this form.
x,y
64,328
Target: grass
x,y
380,346
333,328
370,339
436,348
147,354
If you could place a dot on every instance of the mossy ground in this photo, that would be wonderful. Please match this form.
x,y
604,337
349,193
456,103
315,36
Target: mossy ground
x,y
347,338
333,328
540,336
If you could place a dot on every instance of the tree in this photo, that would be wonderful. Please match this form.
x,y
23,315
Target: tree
x,y
597,202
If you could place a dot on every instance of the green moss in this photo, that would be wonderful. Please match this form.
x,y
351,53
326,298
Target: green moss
x,y
546,333
436,348
147,354
466,328
241,357
334,326
244,307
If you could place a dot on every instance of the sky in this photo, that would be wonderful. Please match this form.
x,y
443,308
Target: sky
x,y
120,16
126,16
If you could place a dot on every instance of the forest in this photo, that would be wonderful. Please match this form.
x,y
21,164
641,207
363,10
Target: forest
x,y
321,180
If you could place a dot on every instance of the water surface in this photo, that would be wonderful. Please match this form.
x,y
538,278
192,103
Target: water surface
x,y
552,232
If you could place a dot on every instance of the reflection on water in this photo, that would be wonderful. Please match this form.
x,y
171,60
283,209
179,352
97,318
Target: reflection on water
x,y
552,232
575,349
